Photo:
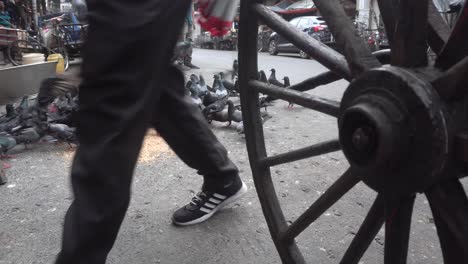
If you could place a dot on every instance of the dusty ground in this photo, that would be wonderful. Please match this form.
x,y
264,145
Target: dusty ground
x,y
33,203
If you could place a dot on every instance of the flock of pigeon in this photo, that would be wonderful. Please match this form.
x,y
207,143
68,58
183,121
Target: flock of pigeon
x,y
217,101
47,118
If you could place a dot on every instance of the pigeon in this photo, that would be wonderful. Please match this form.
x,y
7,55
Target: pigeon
x,y
23,105
194,78
286,85
10,113
28,135
234,114
196,100
215,107
228,85
235,69
216,82
272,79
188,85
210,98
221,116
7,142
196,90
203,85
227,115
262,76
218,85
63,132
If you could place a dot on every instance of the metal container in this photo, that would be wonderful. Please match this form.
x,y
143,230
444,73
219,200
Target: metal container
x,y
23,80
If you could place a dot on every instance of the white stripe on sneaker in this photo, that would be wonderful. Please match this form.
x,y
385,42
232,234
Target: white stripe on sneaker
x,y
215,201
203,209
219,196
209,205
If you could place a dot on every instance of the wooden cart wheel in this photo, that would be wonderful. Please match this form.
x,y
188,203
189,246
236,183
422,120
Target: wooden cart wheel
x,y
402,126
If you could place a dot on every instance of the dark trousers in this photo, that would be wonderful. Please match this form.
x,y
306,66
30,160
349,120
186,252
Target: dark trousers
x,y
128,85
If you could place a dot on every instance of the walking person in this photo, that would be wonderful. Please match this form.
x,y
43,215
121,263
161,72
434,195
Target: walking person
x,y
184,48
129,85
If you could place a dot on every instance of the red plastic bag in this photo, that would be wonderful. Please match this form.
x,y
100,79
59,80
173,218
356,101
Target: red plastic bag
x,y
216,16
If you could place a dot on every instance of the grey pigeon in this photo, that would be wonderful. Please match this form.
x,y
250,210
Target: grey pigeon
x,y
272,79
218,106
216,82
28,135
196,89
233,113
7,142
203,85
262,76
194,78
63,132
10,113
197,100
286,85
228,85
220,89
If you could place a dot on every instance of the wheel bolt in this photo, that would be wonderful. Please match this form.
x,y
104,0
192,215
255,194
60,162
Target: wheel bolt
x,y
361,139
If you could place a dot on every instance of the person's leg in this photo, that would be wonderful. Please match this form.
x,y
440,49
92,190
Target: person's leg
x,y
122,68
182,125
188,57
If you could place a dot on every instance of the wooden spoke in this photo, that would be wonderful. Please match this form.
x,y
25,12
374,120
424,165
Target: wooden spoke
x,y
316,81
356,51
456,47
409,48
303,153
397,229
319,104
329,198
452,84
328,77
449,206
367,232
388,12
314,48
439,31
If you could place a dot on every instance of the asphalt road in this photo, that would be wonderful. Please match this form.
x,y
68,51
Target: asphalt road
x,y
34,201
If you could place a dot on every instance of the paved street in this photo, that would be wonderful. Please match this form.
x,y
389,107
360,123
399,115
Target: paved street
x,y
34,201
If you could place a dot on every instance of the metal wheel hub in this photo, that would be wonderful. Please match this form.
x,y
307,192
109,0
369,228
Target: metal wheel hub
x,y
393,130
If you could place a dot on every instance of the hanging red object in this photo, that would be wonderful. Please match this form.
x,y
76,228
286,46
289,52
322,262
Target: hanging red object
x,y
217,16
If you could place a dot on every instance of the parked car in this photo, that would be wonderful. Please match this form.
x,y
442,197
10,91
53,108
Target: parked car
x,y
281,5
299,8
313,26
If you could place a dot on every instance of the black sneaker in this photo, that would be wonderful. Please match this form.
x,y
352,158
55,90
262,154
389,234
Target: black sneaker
x,y
206,203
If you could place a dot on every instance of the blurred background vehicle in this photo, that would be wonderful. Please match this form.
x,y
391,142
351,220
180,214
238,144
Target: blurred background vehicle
x,y
299,8
314,26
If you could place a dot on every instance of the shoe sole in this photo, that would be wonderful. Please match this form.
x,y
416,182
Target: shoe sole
x,y
231,199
